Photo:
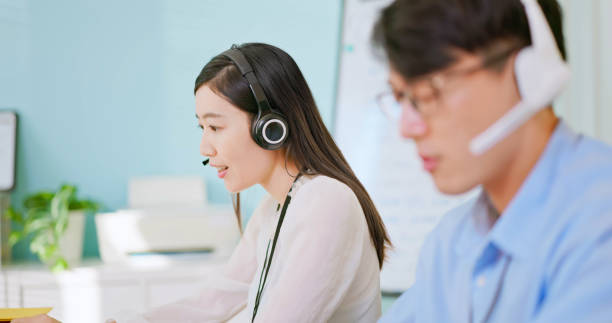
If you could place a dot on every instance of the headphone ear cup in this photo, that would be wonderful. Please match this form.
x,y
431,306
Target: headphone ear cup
x,y
270,131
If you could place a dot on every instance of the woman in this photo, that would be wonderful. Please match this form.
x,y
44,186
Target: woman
x,y
331,242
313,249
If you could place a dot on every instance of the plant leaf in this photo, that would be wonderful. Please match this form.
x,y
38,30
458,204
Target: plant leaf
x,y
59,265
50,252
61,224
59,203
35,213
38,224
86,205
14,215
14,237
41,199
39,244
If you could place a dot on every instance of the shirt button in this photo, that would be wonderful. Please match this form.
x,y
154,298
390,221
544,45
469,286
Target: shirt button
x,y
480,282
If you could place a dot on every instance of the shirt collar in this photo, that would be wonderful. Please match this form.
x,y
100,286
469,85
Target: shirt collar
x,y
518,229
474,228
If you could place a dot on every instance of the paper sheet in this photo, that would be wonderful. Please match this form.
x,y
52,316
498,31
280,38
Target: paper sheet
x,y
7,314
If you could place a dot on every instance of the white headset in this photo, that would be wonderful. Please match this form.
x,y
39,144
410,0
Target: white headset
x,y
541,75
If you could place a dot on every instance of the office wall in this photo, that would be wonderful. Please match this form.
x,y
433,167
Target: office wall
x,y
104,89
587,103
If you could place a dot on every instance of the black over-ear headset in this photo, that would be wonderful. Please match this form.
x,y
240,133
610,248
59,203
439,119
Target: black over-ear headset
x,y
269,128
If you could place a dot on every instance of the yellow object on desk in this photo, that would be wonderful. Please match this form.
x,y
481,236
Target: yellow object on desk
x,y
7,314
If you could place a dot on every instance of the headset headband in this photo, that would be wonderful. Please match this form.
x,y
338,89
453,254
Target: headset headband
x,y
269,128
541,75
247,72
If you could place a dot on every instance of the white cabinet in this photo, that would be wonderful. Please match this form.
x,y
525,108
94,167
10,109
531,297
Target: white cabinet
x,y
95,291
167,291
85,303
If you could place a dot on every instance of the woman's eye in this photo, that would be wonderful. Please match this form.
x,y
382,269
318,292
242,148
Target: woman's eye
x,y
211,128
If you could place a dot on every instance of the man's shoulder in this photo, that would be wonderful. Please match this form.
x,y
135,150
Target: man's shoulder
x,y
584,179
589,158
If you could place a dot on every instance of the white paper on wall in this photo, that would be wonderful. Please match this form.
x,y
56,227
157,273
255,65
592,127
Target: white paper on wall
x,y
388,165
8,139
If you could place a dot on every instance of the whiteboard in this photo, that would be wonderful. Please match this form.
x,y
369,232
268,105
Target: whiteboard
x,y
387,165
8,143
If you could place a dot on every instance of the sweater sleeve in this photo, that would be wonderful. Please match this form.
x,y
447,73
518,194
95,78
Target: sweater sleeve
x,y
225,292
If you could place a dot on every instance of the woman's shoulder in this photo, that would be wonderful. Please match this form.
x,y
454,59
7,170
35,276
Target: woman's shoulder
x,y
325,188
320,196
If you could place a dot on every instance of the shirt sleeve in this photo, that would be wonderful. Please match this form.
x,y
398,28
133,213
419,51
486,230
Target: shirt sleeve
x,y
404,308
323,241
225,292
580,289
417,300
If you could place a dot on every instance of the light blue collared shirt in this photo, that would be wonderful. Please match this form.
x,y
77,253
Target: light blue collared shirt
x,y
548,258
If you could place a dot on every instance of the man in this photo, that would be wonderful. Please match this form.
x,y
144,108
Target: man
x,y
536,245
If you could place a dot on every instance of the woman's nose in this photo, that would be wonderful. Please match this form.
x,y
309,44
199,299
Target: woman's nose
x,y
206,149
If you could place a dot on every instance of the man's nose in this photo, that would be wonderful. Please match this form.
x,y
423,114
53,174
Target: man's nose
x,y
412,124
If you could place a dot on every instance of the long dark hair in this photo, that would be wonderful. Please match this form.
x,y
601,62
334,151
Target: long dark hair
x,y
309,145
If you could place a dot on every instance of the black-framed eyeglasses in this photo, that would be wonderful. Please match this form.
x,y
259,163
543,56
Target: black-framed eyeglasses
x,y
390,102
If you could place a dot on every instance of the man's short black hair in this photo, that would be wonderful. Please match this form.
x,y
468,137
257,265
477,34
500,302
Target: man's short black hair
x,y
419,36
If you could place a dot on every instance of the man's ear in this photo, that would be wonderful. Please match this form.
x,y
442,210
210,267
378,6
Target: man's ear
x,y
509,73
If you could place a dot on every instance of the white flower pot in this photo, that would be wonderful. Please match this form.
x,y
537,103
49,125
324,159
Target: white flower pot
x,y
71,243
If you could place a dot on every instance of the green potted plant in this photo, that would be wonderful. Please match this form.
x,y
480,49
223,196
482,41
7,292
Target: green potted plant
x,y
47,217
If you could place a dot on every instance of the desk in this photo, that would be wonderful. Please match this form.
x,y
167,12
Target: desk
x,y
95,291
